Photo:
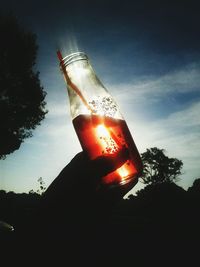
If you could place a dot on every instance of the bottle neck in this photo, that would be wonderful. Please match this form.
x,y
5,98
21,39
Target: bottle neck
x,y
73,58
86,92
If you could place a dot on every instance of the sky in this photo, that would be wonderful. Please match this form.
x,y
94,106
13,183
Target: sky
x,y
146,53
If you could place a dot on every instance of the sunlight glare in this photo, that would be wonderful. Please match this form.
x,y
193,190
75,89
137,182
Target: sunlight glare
x,y
68,45
123,172
102,131
106,141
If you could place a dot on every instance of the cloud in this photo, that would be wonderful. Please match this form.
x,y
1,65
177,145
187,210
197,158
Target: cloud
x,y
178,134
185,80
186,118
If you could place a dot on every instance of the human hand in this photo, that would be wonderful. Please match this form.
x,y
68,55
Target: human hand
x,y
78,189
82,178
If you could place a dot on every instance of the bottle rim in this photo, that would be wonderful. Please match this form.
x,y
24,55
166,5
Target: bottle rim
x,y
73,57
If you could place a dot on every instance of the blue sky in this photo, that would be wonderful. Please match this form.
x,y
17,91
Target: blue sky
x,y
147,55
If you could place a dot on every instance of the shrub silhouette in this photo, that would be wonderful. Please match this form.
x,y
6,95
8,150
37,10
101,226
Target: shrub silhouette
x,y
159,168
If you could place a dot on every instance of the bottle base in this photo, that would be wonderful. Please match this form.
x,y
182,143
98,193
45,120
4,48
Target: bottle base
x,y
132,180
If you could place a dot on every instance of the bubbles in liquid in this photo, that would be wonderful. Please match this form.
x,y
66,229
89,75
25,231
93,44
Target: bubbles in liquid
x,y
108,144
103,106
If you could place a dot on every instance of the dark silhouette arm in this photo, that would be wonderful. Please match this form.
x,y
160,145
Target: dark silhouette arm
x,y
78,187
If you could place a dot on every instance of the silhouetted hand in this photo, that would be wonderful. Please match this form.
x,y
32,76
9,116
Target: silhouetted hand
x,y
78,189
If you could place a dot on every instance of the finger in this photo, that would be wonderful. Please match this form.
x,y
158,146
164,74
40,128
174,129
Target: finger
x,y
105,164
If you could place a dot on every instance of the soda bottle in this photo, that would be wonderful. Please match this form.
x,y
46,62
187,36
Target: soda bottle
x,y
97,120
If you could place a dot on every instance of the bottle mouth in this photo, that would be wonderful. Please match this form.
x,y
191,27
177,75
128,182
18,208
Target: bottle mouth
x,y
73,57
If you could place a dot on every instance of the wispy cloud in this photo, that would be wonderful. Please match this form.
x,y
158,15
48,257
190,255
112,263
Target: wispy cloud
x,y
185,80
187,118
179,134
57,110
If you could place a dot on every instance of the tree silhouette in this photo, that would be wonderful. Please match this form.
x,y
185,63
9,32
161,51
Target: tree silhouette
x,y
22,105
159,168
42,184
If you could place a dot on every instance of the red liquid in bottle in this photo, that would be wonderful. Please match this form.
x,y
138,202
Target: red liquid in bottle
x,y
101,135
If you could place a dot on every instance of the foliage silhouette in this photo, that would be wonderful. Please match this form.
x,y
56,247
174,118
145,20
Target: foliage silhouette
x,y
159,168
22,105
158,226
158,222
42,187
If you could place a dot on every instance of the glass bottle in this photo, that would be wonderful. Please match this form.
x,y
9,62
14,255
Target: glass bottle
x,y
97,120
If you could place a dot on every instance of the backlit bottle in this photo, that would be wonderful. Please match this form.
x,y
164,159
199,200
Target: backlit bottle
x,y
97,120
